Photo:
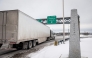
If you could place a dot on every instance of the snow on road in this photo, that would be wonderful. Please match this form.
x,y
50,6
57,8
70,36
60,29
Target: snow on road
x,y
62,50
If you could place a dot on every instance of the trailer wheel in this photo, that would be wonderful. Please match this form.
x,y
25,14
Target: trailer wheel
x,y
34,43
0,45
30,44
25,45
48,38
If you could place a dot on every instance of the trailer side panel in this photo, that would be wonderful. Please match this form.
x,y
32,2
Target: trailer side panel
x,y
30,29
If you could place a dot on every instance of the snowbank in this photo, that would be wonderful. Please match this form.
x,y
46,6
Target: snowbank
x,y
62,50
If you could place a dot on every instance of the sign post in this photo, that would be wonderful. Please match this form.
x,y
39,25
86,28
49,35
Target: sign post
x,y
63,24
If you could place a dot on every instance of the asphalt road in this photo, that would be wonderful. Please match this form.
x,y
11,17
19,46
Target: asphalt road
x,y
23,53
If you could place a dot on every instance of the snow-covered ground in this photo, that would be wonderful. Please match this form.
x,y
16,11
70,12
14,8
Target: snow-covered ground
x,y
62,50
86,36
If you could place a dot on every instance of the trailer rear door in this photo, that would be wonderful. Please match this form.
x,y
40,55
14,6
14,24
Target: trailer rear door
x,y
3,18
8,26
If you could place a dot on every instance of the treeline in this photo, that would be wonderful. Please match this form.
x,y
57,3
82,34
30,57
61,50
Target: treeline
x,y
58,34
85,33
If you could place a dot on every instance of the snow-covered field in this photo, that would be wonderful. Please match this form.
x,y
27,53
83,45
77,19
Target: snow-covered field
x,y
62,50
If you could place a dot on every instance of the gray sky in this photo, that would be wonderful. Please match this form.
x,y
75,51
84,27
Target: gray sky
x,y
43,8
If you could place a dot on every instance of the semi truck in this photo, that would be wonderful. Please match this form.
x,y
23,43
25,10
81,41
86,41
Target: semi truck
x,y
20,31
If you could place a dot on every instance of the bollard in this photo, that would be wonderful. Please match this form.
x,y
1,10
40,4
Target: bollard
x,y
55,43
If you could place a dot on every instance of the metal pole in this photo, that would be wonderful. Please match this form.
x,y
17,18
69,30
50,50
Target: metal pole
x,y
68,29
63,23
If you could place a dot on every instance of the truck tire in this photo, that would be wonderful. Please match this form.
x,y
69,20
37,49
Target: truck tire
x,y
34,43
25,45
0,45
30,44
48,38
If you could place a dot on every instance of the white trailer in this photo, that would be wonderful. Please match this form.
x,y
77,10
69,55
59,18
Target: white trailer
x,y
18,30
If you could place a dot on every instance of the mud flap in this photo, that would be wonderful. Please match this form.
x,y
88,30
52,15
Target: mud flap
x,y
5,46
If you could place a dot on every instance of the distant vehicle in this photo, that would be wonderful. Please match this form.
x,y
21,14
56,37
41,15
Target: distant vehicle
x,y
52,36
20,31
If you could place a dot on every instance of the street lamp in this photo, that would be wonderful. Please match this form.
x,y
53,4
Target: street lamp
x,y
63,23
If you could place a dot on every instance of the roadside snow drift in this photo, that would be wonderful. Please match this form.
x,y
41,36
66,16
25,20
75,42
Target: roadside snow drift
x,y
62,50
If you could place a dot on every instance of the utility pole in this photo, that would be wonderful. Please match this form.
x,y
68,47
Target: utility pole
x,y
63,23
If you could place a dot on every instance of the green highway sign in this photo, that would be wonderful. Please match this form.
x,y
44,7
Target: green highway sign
x,y
39,20
51,19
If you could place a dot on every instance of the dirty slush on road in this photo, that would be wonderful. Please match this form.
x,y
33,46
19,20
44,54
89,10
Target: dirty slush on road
x,y
24,53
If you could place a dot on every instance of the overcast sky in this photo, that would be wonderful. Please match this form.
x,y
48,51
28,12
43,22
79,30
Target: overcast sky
x,y
43,8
